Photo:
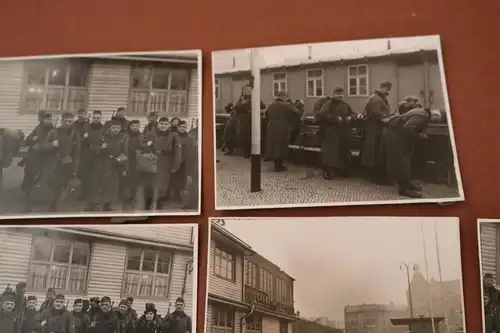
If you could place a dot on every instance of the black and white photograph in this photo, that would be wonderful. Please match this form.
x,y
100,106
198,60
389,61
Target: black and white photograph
x,y
489,263
335,275
99,278
334,124
109,134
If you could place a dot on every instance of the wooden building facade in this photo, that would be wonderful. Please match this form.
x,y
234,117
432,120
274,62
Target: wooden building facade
x,y
246,292
415,73
167,85
97,261
489,239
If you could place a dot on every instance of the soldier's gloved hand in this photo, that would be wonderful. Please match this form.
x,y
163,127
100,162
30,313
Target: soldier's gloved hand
x,y
149,144
104,146
44,323
360,116
85,135
55,143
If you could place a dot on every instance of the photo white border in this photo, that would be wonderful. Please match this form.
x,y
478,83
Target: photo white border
x,y
479,222
336,220
459,198
195,226
141,213
207,285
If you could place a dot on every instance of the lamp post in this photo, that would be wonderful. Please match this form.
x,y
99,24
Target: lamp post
x,y
402,265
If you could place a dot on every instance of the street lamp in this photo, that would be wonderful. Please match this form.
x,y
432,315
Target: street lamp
x,y
402,265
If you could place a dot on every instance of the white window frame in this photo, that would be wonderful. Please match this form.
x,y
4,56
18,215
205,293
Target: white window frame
x,y
315,80
229,258
251,274
51,263
279,82
357,77
266,282
142,273
228,313
217,89
46,86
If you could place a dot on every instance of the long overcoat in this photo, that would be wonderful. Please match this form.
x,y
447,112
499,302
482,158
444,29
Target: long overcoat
x,y
168,148
399,137
10,322
335,120
243,119
281,118
58,321
107,171
376,110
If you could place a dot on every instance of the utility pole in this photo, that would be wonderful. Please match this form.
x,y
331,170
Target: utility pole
x,y
407,267
255,167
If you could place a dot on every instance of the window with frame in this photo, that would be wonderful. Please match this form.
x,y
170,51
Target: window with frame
x,y
56,85
222,319
266,282
158,89
224,264
279,83
358,80
147,273
283,326
254,323
217,88
251,274
315,83
281,291
58,263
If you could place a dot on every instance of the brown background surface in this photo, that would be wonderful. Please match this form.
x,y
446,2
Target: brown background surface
x,y
470,34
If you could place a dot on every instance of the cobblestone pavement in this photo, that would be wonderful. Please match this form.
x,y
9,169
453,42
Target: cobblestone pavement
x,y
12,199
301,186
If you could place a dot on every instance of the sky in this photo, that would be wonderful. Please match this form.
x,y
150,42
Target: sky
x,y
349,261
223,60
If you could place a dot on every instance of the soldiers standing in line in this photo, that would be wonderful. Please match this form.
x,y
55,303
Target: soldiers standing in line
x,y
105,321
10,321
49,298
126,323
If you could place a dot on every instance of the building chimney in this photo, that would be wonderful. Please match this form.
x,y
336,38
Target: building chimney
x,y
309,57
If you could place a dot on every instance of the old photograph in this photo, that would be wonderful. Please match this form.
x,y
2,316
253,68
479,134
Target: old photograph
x,y
489,263
99,278
335,275
112,134
334,124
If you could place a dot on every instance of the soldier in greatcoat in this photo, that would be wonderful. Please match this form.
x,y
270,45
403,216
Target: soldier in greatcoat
x,y
150,321
35,159
10,320
57,318
131,312
64,159
406,105
126,323
82,320
110,165
30,315
94,309
242,112
178,321
335,120
174,123
183,176
49,299
229,136
281,118
81,126
105,321
167,146
151,125
376,112
192,199
131,180
399,137
121,116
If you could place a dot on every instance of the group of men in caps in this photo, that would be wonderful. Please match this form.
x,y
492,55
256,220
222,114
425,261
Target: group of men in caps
x,y
388,136
99,161
20,314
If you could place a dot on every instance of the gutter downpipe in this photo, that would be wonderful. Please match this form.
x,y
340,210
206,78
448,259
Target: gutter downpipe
x,y
252,309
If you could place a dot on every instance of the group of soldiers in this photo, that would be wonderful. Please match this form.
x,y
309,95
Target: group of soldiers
x,y
21,314
99,163
388,137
